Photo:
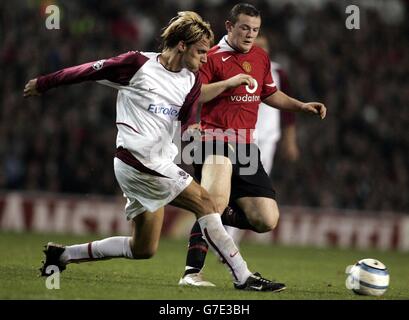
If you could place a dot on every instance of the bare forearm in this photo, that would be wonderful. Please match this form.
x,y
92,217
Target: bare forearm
x,y
212,90
281,101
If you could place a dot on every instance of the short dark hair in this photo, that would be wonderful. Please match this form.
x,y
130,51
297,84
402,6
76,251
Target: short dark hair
x,y
243,8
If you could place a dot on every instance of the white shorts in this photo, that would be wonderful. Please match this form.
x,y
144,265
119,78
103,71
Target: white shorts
x,y
147,192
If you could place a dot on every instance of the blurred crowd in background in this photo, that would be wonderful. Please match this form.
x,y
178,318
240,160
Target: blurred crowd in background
x,y
357,158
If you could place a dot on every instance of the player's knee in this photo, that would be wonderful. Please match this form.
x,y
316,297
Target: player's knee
x,y
271,224
266,223
272,221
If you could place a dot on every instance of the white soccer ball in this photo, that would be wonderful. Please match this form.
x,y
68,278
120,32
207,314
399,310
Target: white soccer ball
x,y
368,277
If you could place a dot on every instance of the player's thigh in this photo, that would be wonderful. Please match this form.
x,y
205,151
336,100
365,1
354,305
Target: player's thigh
x,y
195,199
146,230
262,212
216,179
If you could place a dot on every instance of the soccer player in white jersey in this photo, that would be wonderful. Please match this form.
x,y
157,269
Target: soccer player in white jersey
x,y
154,90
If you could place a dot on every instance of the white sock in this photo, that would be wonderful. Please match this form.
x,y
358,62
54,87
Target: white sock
x,y
223,245
102,249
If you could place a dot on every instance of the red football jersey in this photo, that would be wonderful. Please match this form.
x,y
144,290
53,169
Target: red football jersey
x,y
235,110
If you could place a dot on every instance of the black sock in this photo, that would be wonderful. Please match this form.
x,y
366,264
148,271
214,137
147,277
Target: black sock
x,y
235,217
196,254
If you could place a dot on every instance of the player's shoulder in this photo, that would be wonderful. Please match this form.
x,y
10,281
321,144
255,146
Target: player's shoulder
x,y
215,58
134,57
149,55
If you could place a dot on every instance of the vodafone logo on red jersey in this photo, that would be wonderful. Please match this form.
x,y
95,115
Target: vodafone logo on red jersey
x,y
248,97
245,98
255,86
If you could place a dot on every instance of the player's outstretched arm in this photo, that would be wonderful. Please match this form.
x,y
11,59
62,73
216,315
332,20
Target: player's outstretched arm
x,y
281,101
212,90
67,76
118,70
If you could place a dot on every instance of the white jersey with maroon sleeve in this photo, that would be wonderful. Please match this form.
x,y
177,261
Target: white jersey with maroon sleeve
x,y
150,100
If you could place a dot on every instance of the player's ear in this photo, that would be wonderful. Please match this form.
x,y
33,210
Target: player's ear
x,y
229,25
181,46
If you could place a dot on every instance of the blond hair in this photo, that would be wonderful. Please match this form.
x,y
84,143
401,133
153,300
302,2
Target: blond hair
x,y
187,26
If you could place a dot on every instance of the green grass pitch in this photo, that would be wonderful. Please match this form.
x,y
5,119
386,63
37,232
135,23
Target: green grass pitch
x,y
309,273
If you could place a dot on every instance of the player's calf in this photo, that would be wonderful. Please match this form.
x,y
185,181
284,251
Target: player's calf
x,y
143,253
146,234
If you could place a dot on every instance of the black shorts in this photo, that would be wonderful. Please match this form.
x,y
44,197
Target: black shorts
x,y
249,179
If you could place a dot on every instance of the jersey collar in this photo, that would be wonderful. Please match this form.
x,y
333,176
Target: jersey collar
x,y
225,46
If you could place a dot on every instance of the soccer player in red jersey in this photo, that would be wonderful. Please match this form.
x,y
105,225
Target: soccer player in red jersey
x,y
272,126
229,166
154,90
